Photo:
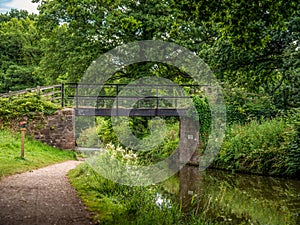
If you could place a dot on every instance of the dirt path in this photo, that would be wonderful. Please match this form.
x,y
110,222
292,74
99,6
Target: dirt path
x,y
41,197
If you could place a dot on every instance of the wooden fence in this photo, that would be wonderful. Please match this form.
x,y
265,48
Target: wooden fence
x,y
54,93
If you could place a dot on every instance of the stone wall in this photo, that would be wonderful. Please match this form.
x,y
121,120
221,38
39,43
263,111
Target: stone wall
x,y
57,130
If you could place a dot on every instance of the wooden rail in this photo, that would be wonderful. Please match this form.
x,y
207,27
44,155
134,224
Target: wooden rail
x,y
53,93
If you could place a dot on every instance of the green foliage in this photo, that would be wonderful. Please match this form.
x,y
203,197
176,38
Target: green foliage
x,y
105,131
15,13
94,27
243,106
166,148
140,128
270,147
250,45
112,203
263,56
89,138
203,111
37,154
20,52
19,78
292,144
25,105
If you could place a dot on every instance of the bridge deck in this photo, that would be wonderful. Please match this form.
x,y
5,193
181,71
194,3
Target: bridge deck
x,y
129,112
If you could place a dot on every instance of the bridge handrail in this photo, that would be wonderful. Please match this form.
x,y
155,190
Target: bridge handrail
x,y
73,94
60,93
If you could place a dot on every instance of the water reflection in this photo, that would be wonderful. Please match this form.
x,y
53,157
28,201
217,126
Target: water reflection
x,y
225,198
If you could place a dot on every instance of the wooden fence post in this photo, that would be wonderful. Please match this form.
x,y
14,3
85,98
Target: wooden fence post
x,y
38,89
62,95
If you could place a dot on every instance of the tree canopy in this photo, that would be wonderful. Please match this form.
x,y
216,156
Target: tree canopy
x,y
248,44
20,51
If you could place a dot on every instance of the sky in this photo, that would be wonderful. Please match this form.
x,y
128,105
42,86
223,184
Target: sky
x,y
7,5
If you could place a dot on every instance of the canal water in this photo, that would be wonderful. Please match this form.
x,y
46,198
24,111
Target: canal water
x,y
225,198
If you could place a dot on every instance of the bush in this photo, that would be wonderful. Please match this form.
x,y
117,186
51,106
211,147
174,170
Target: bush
x,y
105,131
166,148
140,128
89,138
25,105
269,147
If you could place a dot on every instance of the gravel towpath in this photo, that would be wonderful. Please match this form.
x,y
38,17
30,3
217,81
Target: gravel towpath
x,y
41,197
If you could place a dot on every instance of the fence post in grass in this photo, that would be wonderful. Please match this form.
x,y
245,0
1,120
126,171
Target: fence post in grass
x,y
38,90
23,124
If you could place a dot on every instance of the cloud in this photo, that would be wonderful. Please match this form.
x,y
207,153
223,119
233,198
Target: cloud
x,y
7,5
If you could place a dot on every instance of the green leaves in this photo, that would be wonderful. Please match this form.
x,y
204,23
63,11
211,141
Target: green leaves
x,y
29,105
20,52
270,147
249,44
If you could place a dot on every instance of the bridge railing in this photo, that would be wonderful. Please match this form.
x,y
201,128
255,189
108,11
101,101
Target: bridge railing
x,y
151,96
53,93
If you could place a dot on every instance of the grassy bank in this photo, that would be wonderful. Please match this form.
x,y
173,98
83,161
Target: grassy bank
x,y
37,154
113,203
270,147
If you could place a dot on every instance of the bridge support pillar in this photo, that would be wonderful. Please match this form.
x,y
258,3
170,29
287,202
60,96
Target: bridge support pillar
x,y
189,141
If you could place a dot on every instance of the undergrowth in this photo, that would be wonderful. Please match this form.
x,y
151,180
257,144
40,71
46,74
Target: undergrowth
x,y
270,147
111,202
15,107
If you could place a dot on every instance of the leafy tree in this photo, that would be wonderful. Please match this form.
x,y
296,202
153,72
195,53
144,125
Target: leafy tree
x,y
71,36
18,78
15,13
20,53
94,27
252,44
271,67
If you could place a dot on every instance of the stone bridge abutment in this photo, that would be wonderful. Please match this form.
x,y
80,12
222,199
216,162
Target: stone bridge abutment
x,y
58,130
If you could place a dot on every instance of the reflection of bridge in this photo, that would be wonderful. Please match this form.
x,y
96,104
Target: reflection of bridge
x,y
130,100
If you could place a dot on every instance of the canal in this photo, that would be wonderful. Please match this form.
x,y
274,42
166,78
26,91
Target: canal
x,y
225,198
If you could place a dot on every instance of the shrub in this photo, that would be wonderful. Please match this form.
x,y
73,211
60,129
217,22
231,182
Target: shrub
x,y
25,105
267,147
89,138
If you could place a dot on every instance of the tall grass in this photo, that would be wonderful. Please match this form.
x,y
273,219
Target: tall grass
x,y
112,203
270,147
